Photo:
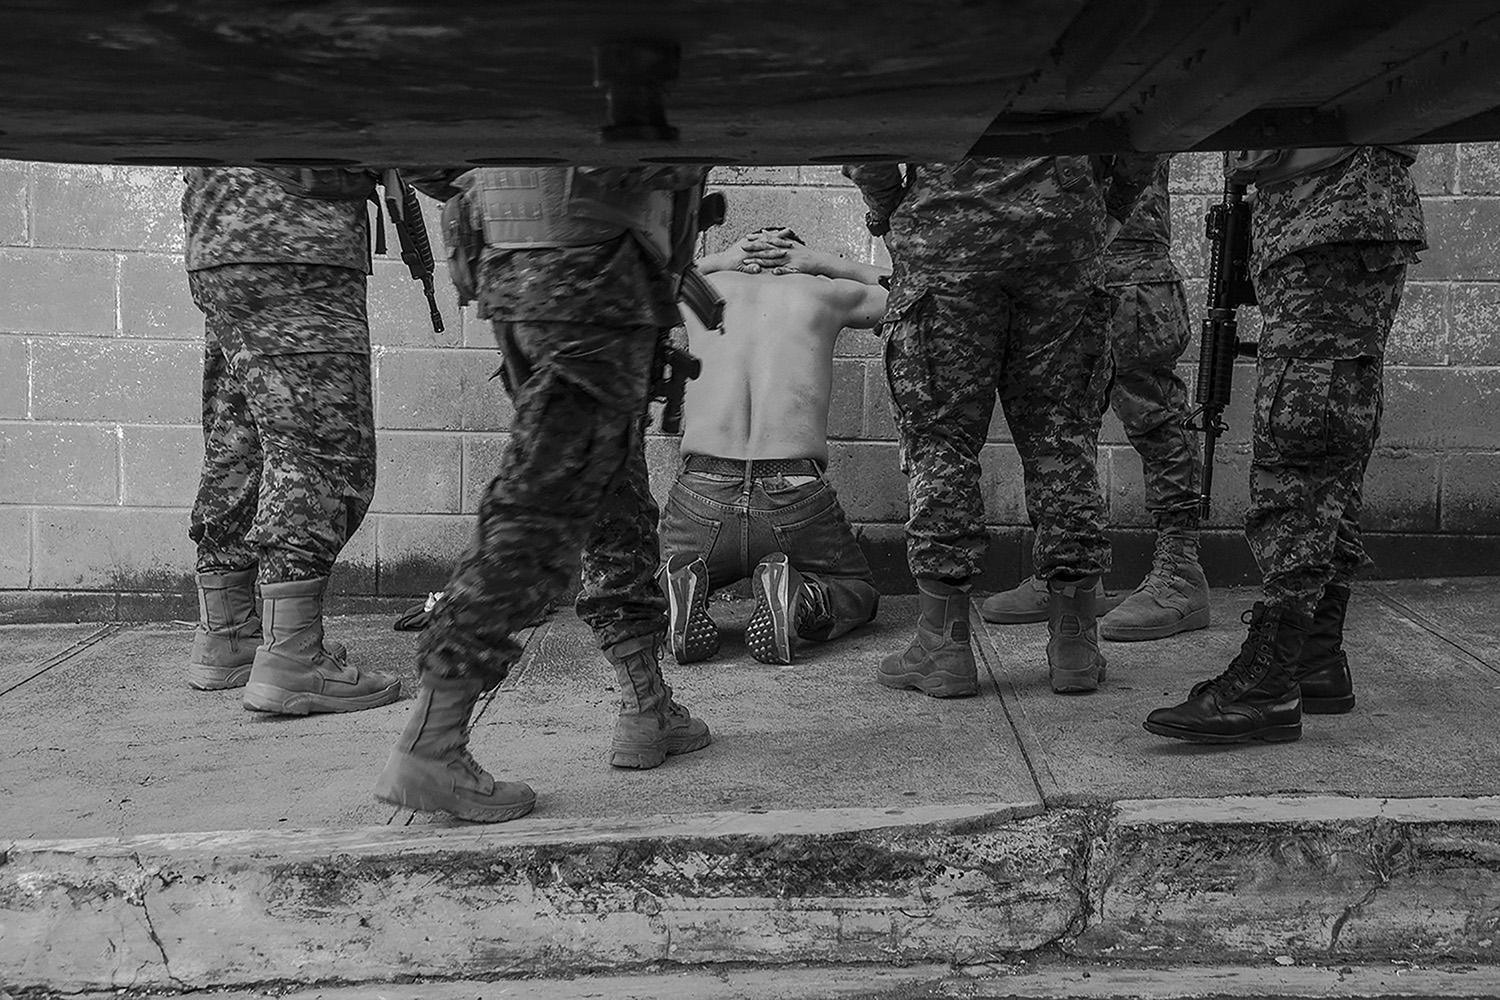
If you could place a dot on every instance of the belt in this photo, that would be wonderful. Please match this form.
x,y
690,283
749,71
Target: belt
x,y
753,468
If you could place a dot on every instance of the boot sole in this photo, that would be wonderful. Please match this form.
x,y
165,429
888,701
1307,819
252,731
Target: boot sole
x,y
1192,622
262,697
645,758
1271,734
418,802
203,677
1077,681
1013,617
930,685
694,635
768,633
1327,706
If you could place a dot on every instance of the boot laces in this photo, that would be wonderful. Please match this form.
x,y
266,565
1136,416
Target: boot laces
x,y
1254,658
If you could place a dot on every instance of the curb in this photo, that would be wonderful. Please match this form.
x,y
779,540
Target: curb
x,y
1315,878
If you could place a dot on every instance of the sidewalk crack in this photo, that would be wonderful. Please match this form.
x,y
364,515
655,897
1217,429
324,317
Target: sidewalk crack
x,y
138,898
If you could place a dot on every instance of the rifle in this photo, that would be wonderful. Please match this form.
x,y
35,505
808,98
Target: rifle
x,y
673,366
411,229
1229,287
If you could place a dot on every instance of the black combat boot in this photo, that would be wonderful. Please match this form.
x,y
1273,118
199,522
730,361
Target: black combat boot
x,y
939,660
1323,670
1256,698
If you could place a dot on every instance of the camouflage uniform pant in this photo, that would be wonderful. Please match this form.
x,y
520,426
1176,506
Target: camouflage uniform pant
x,y
1318,397
1148,331
1035,337
288,425
572,486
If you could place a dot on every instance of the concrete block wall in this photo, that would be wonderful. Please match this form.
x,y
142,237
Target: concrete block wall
x,y
100,351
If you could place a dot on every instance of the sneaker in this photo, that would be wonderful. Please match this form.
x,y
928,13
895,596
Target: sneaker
x,y
692,632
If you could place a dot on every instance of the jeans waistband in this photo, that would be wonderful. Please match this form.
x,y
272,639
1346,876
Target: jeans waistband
x,y
753,468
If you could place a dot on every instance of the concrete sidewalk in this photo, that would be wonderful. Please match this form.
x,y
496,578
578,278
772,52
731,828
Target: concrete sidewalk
x,y
163,837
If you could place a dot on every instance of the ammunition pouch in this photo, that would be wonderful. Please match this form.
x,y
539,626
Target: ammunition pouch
x,y
464,244
524,208
326,183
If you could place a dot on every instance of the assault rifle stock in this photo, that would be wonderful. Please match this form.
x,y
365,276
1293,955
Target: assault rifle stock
x,y
411,229
1229,287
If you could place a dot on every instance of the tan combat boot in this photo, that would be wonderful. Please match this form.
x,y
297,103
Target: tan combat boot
x,y
1074,662
1024,603
228,631
939,660
1173,598
295,671
431,769
651,725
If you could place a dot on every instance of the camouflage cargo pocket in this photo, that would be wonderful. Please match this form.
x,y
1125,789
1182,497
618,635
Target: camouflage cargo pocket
x,y
1311,409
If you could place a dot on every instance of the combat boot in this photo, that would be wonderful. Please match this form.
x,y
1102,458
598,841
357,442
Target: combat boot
x,y
939,660
431,769
228,631
1323,670
690,628
1173,598
786,604
1256,698
1074,662
295,671
651,725
1025,603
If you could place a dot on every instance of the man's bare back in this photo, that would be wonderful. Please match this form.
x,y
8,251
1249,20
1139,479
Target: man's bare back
x,y
768,375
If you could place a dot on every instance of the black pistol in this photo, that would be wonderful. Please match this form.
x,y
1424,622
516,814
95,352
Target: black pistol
x,y
1229,287
416,250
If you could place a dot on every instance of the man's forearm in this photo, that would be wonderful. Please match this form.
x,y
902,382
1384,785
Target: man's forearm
x,y
842,267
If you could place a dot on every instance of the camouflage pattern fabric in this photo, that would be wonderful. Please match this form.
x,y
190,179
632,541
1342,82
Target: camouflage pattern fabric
x,y
1318,398
242,215
1035,336
1142,251
288,426
611,284
1329,266
573,478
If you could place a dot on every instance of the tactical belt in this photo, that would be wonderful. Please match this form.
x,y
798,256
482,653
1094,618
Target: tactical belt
x,y
753,468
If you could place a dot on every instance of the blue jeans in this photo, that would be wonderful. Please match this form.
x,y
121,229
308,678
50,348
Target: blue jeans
x,y
733,523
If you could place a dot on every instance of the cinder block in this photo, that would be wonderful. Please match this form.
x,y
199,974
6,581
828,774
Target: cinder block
x,y
1197,173
398,309
1479,168
1127,488
477,332
106,208
868,478
1420,335
161,466
154,298
141,382
663,459
417,553
354,574
1401,491
1002,485
12,202
1231,487
822,175
15,390
1470,502
64,464
1436,170
482,463
1474,326
57,291
846,407
1189,241
418,473
116,548
1463,236
732,176
858,344
445,389
15,548
828,219
1441,408
880,421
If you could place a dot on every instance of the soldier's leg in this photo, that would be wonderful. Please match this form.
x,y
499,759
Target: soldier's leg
x,y
1328,312
942,355
620,601
1148,333
572,433
229,626
309,395
1051,388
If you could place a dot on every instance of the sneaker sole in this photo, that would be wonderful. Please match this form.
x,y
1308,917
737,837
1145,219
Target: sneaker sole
x,y
934,686
1272,734
261,697
768,633
476,814
203,677
1327,706
1196,620
695,637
